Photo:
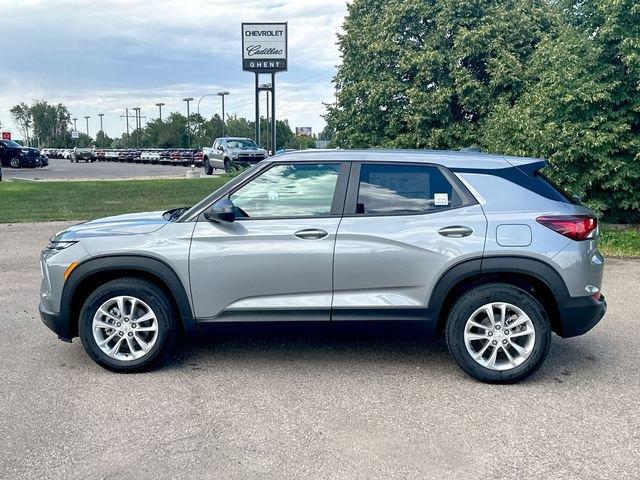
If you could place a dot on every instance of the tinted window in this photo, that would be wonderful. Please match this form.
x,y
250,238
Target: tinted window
x,y
298,190
403,189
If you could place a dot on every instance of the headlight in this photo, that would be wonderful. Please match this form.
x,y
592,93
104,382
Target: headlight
x,y
53,245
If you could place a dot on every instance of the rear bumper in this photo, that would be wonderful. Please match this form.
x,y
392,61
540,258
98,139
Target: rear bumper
x,y
578,315
56,323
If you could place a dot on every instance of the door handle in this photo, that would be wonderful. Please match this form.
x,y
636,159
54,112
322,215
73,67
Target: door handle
x,y
455,231
311,234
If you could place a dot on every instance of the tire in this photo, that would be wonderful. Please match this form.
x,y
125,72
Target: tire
x,y
208,169
150,298
14,163
510,365
228,165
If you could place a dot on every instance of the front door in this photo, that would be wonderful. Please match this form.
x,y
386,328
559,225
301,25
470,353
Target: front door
x,y
275,261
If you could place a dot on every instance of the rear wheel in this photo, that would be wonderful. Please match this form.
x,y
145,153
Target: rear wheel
x,y
208,169
498,333
126,325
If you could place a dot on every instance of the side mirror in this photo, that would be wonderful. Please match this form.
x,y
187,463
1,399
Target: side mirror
x,y
221,211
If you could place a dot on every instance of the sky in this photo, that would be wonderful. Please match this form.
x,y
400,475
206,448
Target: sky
x,y
101,56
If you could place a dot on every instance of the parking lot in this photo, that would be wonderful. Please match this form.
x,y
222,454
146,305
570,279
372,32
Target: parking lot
x,y
311,407
60,169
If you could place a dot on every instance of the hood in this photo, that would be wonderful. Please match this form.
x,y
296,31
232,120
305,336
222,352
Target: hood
x,y
31,152
129,224
258,151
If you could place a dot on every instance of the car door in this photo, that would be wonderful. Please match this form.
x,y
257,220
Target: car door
x,y
274,262
404,225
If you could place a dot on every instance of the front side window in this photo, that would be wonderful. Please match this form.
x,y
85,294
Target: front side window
x,y
403,189
296,190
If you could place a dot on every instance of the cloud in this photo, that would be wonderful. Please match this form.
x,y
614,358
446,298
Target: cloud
x,y
102,56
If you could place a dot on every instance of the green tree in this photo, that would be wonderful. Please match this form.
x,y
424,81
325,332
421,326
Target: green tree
x,y
419,73
21,115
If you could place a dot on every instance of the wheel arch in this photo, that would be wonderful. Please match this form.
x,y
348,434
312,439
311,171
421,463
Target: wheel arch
x,y
536,277
92,273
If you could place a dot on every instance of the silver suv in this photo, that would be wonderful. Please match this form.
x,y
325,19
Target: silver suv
x,y
480,248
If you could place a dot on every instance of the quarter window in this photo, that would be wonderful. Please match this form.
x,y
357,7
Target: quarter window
x,y
296,190
403,189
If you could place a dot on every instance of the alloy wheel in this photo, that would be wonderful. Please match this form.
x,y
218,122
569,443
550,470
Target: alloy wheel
x,y
125,328
499,336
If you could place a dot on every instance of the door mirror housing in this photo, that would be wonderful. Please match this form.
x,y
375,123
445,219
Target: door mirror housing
x,y
222,211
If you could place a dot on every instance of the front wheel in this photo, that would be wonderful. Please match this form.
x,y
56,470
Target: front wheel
x,y
126,325
14,163
498,333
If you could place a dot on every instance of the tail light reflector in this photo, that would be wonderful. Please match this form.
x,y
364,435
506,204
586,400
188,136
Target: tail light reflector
x,y
575,227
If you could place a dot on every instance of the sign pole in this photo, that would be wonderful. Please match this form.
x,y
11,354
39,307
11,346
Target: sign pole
x,y
273,114
257,109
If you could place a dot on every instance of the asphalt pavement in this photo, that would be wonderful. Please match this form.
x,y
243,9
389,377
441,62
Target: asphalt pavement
x,y
311,407
60,169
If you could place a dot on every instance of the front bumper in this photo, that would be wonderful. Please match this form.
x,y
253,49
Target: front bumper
x,y
578,315
56,323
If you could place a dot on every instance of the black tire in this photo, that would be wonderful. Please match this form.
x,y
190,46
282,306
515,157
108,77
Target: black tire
x,y
208,169
475,298
155,298
14,163
229,166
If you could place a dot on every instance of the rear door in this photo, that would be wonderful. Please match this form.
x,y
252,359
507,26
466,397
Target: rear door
x,y
404,225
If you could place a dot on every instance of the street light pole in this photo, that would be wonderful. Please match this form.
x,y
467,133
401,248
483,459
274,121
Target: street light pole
x,y
75,125
223,94
87,117
189,99
160,105
101,130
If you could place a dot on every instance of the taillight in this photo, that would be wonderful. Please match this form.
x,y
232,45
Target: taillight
x,y
575,227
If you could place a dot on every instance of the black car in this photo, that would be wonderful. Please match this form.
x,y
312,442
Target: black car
x,y
14,155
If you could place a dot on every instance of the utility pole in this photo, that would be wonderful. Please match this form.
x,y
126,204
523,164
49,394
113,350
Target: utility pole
x,y
224,121
189,99
267,87
87,117
138,124
101,130
75,126
160,105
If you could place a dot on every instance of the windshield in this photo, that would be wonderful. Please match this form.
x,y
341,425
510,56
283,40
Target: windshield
x,y
241,144
12,144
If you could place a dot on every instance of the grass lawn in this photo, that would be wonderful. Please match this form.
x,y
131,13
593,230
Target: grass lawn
x,y
48,201
620,243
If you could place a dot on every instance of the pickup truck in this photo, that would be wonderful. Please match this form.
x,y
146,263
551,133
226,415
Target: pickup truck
x,y
85,154
231,153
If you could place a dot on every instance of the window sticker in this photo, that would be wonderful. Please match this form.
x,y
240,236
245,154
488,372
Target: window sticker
x,y
441,199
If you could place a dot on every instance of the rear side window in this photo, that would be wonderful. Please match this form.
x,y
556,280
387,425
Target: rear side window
x,y
558,193
404,189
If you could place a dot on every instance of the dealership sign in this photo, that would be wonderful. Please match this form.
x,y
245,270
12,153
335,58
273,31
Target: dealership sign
x,y
6,135
264,47
75,134
304,132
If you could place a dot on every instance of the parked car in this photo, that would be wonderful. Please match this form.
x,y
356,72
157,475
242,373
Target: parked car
x,y
14,155
230,153
85,154
479,248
